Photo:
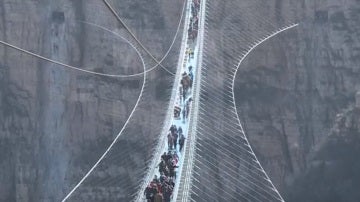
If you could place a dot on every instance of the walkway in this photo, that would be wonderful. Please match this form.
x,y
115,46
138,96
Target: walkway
x,y
188,64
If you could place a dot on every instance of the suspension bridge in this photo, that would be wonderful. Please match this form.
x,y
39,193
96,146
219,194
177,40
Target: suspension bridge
x,y
217,162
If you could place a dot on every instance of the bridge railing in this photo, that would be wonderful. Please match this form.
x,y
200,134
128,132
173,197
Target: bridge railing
x,y
181,192
170,112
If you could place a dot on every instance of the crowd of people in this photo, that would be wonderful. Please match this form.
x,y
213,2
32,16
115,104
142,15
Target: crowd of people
x,y
186,84
161,188
173,136
194,20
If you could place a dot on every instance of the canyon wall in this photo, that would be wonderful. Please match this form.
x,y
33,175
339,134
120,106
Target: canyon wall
x,y
296,94
56,122
296,98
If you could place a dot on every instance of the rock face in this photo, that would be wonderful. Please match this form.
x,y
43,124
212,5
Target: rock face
x,y
332,173
55,123
296,97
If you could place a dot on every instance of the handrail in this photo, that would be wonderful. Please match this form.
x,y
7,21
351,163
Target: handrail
x,y
233,95
170,111
189,147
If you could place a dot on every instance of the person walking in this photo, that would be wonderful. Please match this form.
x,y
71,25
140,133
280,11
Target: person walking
x,y
150,193
181,142
162,166
180,130
170,141
158,197
190,53
184,114
175,138
191,79
167,192
173,129
185,83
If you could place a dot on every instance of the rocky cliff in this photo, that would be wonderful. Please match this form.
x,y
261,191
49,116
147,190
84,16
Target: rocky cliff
x,y
296,98
56,122
296,95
